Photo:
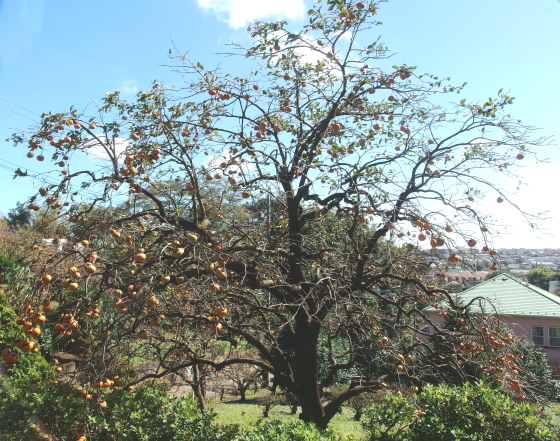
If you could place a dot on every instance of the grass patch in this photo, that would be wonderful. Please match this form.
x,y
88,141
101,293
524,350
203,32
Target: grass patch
x,y
231,411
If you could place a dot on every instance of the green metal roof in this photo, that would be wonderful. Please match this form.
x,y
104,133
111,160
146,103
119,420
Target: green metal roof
x,y
512,297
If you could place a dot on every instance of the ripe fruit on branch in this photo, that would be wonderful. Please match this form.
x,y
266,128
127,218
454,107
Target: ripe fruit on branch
x,y
46,279
89,268
28,346
421,237
10,359
178,252
245,195
216,327
221,312
39,318
143,333
165,279
152,301
140,256
154,321
471,243
220,273
192,238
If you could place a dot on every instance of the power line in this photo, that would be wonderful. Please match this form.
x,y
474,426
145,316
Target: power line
x,y
20,114
15,104
7,119
38,175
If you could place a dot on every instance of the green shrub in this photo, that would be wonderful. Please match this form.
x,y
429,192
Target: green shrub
x,y
535,370
449,413
30,401
148,413
476,412
12,269
276,430
31,367
389,419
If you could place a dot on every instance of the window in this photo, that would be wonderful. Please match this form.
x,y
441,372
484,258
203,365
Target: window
x,y
538,335
554,336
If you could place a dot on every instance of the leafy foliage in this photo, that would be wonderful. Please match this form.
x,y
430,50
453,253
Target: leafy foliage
x,y
280,431
540,276
31,367
455,413
146,414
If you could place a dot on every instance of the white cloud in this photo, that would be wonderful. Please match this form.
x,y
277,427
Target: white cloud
x,y
239,13
130,86
95,148
535,195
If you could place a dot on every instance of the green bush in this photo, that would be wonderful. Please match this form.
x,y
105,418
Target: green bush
x,y
449,413
11,269
535,370
276,430
31,367
148,413
389,419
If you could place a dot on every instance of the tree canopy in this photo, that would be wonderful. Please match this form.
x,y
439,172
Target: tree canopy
x,y
272,210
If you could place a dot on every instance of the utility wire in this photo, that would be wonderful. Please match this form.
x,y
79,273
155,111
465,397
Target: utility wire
x,y
20,114
15,104
38,175
7,119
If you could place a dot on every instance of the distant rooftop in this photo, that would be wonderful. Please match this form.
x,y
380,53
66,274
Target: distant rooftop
x,y
511,296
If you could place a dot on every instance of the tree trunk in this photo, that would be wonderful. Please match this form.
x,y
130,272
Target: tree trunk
x,y
358,415
307,371
198,389
266,410
242,391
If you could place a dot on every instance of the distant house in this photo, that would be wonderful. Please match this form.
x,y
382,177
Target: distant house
x,y
530,311
465,278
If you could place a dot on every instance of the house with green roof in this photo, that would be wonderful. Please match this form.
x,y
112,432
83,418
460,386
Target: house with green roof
x,y
529,310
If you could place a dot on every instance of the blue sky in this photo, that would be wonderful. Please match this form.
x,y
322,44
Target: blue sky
x,y
57,54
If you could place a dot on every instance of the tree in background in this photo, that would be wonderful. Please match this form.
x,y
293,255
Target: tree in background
x,y
353,153
540,276
19,216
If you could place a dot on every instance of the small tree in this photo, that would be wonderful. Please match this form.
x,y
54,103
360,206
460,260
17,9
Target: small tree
x,y
267,402
19,217
243,377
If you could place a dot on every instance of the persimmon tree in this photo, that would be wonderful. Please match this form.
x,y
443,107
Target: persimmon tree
x,y
269,210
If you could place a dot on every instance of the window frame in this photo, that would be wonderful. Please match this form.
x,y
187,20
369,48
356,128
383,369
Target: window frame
x,y
557,337
533,335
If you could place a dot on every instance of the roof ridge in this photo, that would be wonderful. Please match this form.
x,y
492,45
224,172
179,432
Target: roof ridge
x,y
542,292
480,284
